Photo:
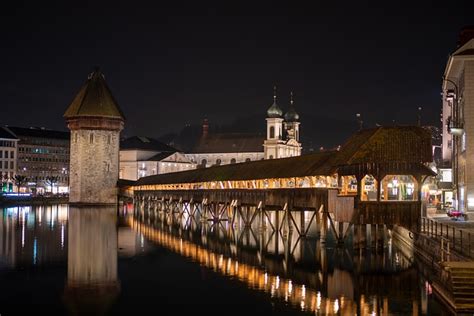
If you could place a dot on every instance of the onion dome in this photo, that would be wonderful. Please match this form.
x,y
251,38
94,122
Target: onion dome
x,y
274,111
291,115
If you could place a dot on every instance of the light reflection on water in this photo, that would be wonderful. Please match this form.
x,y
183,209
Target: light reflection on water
x,y
305,273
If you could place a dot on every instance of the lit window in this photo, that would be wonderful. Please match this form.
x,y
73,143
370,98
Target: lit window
x,y
463,142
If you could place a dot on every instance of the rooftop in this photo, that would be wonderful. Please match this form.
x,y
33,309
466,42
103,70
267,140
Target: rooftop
x,y
145,143
39,132
229,143
94,99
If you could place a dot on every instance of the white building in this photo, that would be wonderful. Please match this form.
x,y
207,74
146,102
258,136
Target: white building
x,y
283,133
8,158
458,119
144,156
282,140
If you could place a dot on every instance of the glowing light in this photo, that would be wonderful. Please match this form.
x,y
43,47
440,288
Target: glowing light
x,y
318,300
336,306
35,251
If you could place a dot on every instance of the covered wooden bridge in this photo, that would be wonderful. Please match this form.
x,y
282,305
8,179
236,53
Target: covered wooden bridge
x,y
374,178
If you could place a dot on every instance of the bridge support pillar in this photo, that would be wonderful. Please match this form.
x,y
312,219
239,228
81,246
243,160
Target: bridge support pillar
x,y
380,235
324,227
340,233
356,236
373,236
363,236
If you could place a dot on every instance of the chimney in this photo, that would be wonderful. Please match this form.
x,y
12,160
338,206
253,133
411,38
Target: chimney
x,y
466,34
205,128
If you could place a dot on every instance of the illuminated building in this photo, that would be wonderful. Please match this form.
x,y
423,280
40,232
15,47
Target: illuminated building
x,y
8,155
144,156
458,119
42,154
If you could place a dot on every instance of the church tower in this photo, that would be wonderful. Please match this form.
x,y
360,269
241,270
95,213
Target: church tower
x,y
95,121
274,131
292,129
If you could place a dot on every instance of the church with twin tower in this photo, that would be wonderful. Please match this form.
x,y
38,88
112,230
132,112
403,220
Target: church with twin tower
x,y
283,131
95,121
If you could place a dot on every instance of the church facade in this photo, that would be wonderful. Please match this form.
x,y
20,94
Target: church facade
x,y
281,141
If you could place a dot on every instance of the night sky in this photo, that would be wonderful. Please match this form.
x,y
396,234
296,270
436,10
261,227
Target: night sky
x,y
173,63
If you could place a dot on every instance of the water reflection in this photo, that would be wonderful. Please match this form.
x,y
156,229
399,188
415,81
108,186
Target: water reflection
x,y
315,276
33,237
305,273
92,282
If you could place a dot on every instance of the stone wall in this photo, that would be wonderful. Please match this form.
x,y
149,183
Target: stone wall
x,y
94,166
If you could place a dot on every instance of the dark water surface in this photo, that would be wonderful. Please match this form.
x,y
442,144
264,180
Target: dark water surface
x,y
65,260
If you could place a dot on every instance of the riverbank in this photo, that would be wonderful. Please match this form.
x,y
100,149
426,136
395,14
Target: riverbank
x,y
12,200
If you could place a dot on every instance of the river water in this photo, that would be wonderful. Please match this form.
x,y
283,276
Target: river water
x,y
58,259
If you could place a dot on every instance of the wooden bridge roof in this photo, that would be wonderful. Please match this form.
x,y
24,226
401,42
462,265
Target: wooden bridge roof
x,y
390,149
313,164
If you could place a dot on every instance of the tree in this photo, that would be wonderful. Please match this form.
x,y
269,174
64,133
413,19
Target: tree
x,y
19,180
51,180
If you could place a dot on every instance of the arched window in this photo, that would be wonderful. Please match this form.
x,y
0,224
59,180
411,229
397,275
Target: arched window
x,y
218,162
232,160
108,139
272,131
91,138
204,162
247,159
297,136
271,156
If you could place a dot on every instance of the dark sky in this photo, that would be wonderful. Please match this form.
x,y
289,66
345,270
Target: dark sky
x,y
172,63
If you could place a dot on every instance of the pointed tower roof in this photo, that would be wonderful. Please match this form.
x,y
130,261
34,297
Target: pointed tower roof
x,y
291,115
94,99
274,110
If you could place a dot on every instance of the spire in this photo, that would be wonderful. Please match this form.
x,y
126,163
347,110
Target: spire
x,y
94,99
274,111
291,115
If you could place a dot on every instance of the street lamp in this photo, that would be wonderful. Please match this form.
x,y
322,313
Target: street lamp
x,y
453,125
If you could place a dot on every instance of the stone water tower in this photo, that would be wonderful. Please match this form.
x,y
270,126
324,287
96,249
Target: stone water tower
x,y
95,121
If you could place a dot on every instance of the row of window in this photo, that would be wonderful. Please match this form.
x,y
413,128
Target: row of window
x,y
219,161
7,143
42,141
4,154
4,165
59,179
91,138
27,159
43,150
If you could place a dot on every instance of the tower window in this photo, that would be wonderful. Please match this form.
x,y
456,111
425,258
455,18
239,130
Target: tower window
x,y
91,138
272,131
75,138
108,139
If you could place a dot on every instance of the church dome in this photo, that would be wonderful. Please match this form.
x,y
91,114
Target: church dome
x,y
291,115
274,110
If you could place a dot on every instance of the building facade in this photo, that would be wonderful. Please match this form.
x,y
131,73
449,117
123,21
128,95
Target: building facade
x,y
215,149
458,120
283,132
43,158
8,159
95,121
144,156
281,141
